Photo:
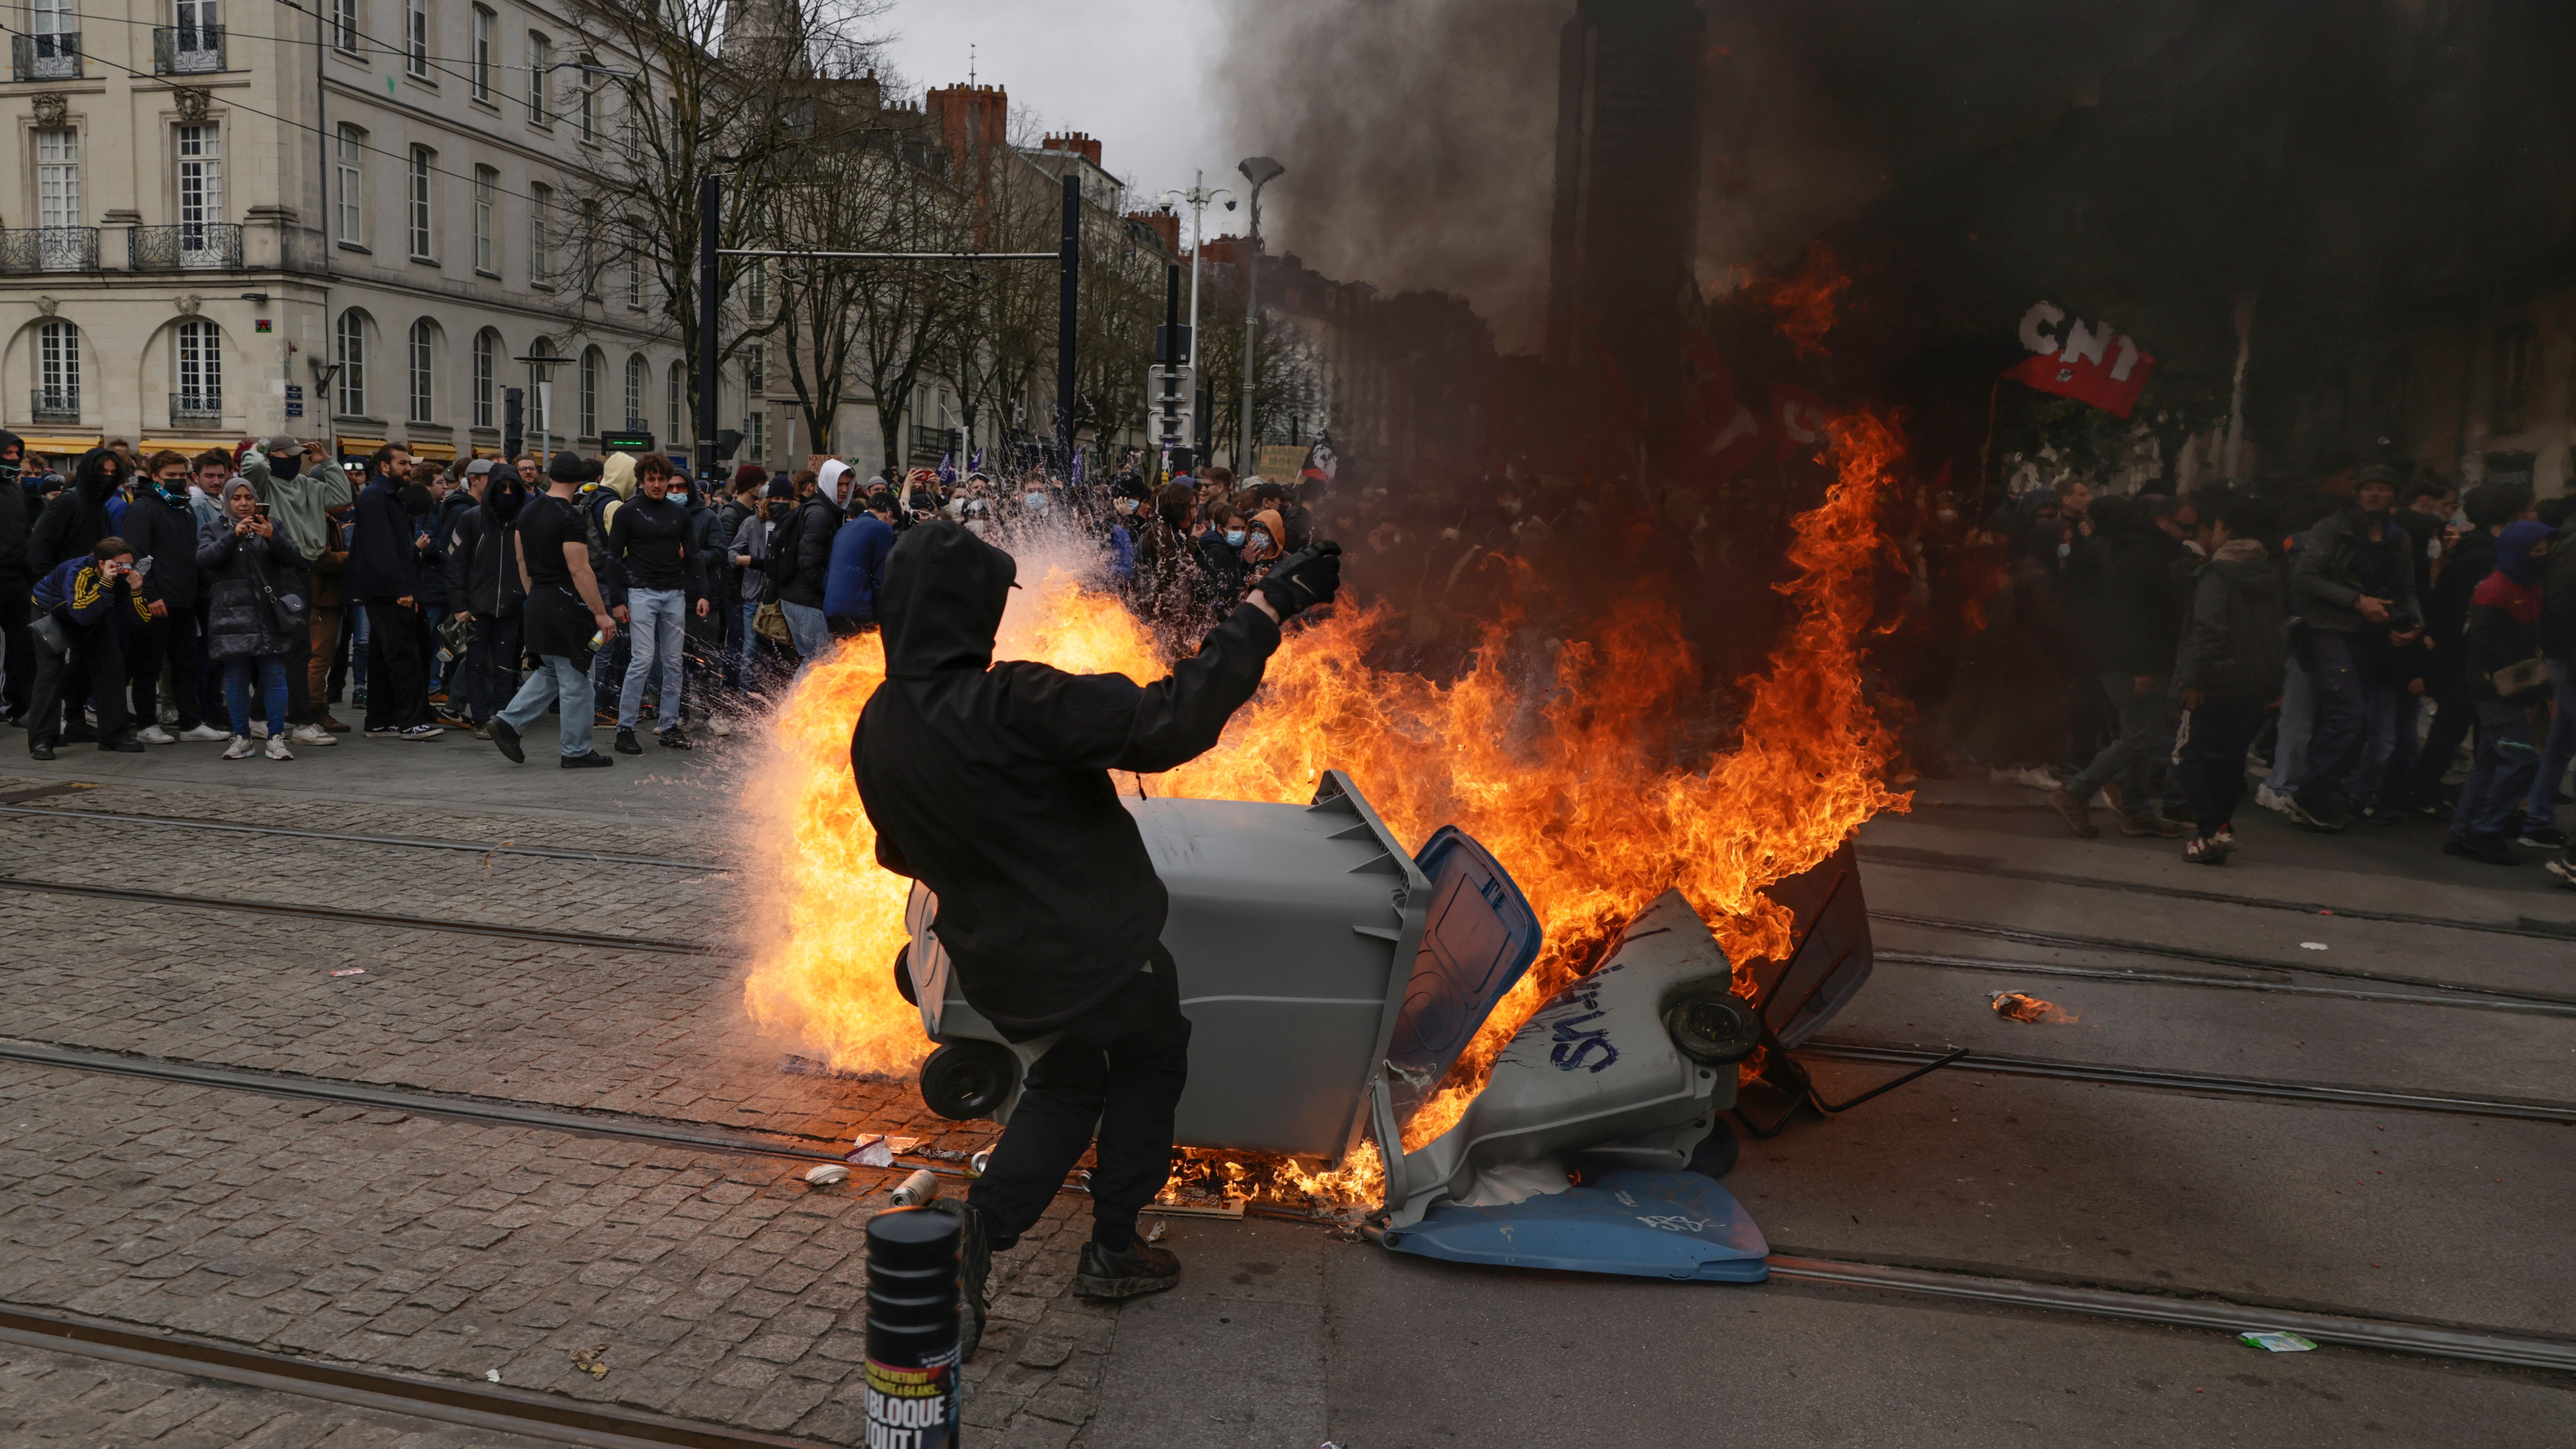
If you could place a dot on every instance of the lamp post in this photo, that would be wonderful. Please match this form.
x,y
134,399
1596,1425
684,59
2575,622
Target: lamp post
x,y
1260,171
1197,197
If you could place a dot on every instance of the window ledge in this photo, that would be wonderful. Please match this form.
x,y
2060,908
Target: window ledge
x,y
425,261
360,249
486,102
487,275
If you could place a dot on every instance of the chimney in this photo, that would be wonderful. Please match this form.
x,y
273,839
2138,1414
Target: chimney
x,y
1085,146
1166,224
971,121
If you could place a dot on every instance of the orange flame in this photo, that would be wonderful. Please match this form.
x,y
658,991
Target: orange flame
x,y
1570,780
1804,303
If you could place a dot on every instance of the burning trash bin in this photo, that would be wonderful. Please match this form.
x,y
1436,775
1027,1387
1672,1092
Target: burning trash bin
x,y
1332,980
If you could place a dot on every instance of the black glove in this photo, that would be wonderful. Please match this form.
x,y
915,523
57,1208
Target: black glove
x,y
1303,579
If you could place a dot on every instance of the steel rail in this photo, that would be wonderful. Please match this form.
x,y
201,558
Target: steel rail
x,y
2442,1102
2022,936
492,1408
184,822
2226,983
2387,1335
1916,859
360,918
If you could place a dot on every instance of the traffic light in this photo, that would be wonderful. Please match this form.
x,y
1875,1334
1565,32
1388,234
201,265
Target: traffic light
x,y
514,421
1171,400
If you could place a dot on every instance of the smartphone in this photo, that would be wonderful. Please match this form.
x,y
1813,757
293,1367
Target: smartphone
x,y
260,509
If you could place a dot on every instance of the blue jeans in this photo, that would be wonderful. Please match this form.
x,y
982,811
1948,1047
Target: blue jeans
x,y
2557,750
272,688
2499,775
653,620
2298,726
435,615
746,646
2146,736
565,685
806,627
2349,700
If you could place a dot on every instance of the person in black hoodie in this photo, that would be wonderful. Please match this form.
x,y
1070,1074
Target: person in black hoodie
x,y
2228,672
483,586
384,575
2489,506
800,562
17,656
2136,623
77,518
161,524
989,783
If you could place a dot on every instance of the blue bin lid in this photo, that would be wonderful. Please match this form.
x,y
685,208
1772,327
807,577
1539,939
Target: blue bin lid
x,y
1478,937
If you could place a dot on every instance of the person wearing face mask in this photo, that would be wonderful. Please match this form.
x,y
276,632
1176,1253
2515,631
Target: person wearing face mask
x,y
162,526
1221,558
483,583
252,617
301,486
1261,545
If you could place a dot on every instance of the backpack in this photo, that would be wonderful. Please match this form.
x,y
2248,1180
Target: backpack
x,y
784,537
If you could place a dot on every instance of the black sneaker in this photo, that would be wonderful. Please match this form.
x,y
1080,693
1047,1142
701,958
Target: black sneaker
x,y
587,760
40,752
2543,837
2484,848
507,738
627,743
674,738
1142,1269
121,747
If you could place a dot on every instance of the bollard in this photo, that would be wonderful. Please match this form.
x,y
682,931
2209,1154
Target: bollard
x,y
912,1329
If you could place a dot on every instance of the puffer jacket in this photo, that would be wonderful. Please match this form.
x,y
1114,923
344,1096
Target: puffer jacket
x,y
2234,646
483,565
238,626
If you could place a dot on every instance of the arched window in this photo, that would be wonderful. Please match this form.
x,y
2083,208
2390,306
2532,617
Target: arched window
x,y
675,385
592,364
540,417
487,358
200,378
349,342
636,372
424,365
58,371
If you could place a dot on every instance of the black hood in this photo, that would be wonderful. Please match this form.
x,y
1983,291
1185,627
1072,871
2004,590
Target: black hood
x,y
94,464
942,599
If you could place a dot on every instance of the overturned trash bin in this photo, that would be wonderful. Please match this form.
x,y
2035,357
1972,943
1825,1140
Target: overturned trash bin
x,y
1332,980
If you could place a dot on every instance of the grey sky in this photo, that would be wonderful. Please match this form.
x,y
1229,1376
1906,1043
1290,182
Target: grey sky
x,y
1130,72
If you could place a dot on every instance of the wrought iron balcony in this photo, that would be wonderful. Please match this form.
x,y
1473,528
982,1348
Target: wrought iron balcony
x,y
196,407
56,405
49,249
187,49
45,57
188,247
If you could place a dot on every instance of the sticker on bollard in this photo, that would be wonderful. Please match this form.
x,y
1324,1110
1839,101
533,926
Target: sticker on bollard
x,y
912,1329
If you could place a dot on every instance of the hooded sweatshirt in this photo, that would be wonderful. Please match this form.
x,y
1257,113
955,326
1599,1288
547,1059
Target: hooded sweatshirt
x,y
76,520
2239,632
300,503
989,783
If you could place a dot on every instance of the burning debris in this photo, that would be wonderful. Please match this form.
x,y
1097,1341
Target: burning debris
x,y
2021,1006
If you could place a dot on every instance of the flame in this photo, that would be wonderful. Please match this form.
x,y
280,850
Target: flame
x,y
1803,305
1573,772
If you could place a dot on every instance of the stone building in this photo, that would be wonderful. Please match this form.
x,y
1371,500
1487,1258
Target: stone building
x,y
220,219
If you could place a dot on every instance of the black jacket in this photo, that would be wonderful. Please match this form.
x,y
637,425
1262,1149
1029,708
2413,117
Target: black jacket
x,y
76,520
2234,646
2139,618
15,572
800,567
483,566
2339,554
433,564
167,536
989,783
383,564
238,623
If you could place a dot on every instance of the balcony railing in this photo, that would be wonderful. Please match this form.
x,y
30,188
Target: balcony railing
x,y
49,249
56,405
187,49
196,407
190,246
45,57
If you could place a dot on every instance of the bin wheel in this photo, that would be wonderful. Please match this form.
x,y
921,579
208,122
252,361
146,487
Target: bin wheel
x,y
1713,1027
968,1079
903,975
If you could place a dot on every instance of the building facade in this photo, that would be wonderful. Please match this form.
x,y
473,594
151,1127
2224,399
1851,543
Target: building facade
x,y
220,220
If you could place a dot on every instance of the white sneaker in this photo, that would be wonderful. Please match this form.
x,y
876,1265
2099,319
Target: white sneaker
x,y
243,747
204,734
259,729
2038,777
2271,799
277,750
422,732
155,735
310,734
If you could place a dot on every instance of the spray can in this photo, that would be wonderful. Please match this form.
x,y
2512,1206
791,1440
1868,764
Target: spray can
x,y
912,1380
918,1190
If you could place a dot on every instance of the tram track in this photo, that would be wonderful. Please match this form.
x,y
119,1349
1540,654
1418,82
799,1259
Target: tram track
x,y
381,919
2459,997
406,842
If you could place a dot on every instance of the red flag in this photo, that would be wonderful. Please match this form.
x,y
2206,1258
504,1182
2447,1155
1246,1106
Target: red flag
x,y
2088,362
1798,417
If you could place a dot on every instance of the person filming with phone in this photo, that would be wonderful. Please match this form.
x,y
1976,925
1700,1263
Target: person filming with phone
x,y
989,783
86,612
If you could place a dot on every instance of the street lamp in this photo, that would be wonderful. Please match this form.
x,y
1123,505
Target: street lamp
x,y
1260,171
1197,197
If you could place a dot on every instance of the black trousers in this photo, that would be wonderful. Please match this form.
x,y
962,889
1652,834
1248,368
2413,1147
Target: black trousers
x,y
2212,771
96,650
397,670
17,646
491,667
171,640
299,653
1117,1071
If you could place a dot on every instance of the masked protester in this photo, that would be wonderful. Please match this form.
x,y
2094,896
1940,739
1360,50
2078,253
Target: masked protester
x,y
86,609
989,784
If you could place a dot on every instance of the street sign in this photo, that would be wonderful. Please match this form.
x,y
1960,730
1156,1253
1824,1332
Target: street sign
x,y
1171,402
294,400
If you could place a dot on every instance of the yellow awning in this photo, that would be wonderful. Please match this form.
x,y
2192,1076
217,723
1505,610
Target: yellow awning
x,y
190,446
52,446
349,445
440,452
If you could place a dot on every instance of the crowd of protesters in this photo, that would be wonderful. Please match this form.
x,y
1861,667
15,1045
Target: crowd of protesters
x,y
2334,646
